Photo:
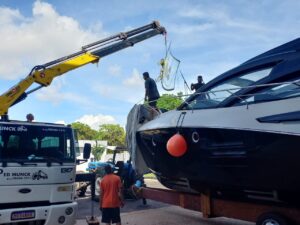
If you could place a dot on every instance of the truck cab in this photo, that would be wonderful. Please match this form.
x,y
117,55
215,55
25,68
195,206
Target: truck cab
x,y
37,173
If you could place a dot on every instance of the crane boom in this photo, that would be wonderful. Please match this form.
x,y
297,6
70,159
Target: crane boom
x,y
44,74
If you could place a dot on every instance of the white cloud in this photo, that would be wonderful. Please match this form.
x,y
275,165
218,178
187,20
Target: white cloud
x,y
28,41
94,121
131,90
125,94
184,29
55,95
135,80
8,16
114,70
61,122
202,24
218,15
51,93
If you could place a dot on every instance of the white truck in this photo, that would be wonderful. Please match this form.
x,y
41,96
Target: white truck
x,y
38,160
37,173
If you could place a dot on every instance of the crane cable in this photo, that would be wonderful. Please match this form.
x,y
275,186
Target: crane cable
x,y
170,67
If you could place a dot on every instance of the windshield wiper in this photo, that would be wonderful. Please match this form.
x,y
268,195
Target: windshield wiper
x,y
49,159
20,161
53,159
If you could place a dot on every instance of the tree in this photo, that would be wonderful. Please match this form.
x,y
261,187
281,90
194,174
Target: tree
x,y
98,151
169,101
84,131
113,133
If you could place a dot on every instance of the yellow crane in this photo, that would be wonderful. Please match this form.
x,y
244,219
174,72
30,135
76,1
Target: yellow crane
x,y
44,74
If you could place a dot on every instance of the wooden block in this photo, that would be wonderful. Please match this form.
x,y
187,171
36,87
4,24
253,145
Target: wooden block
x,y
92,220
206,205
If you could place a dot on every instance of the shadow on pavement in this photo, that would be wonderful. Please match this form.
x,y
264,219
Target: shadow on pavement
x,y
85,206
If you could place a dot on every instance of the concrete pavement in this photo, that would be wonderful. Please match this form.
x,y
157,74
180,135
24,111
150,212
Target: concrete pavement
x,y
154,213
169,215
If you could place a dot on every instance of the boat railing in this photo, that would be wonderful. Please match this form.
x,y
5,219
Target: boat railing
x,y
215,97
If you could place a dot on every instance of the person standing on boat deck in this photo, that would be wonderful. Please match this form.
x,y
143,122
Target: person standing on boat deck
x,y
29,117
111,197
197,85
151,92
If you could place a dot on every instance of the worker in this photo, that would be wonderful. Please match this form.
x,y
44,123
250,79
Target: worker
x,y
111,197
29,117
151,92
197,85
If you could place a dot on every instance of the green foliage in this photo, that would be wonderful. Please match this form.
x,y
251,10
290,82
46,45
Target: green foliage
x,y
97,152
84,131
169,101
149,176
113,133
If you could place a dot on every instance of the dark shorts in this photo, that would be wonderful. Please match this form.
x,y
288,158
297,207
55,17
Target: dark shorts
x,y
152,102
111,215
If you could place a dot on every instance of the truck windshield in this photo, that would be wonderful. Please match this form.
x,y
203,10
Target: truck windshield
x,y
36,143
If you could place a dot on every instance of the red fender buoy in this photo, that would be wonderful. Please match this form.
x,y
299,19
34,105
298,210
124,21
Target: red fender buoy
x,y
177,145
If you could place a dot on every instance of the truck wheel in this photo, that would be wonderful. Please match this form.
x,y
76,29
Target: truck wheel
x,y
81,192
271,219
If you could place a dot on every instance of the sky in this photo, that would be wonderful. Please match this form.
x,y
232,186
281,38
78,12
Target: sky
x,y
208,37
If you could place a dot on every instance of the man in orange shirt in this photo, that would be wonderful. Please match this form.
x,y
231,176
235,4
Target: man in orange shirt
x,y
111,198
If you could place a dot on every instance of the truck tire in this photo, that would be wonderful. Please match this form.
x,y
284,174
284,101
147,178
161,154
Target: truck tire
x,y
81,193
271,219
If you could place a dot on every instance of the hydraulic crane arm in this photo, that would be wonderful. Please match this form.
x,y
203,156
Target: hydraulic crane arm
x,y
44,74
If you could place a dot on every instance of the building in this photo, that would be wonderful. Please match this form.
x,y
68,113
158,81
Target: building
x,y
105,157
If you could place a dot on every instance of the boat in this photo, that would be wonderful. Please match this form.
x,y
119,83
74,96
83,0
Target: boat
x,y
241,130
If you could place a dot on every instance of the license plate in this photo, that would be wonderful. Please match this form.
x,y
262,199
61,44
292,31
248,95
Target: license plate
x,y
21,215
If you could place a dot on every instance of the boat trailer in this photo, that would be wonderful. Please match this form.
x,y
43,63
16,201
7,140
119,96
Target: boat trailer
x,y
261,214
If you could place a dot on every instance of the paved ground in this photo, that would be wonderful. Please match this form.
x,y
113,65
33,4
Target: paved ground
x,y
153,213
161,214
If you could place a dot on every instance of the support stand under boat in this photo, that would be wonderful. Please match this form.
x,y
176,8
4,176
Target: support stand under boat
x,y
92,220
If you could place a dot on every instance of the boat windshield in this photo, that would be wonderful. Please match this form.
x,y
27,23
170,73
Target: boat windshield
x,y
22,143
275,91
212,97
